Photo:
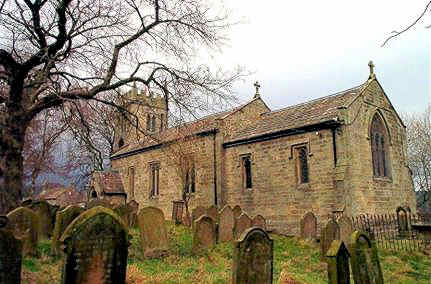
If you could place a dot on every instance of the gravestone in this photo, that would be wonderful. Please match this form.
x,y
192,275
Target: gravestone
x,y
43,209
24,223
330,233
96,247
124,212
153,233
133,219
237,211
226,224
346,229
177,211
253,257
338,263
259,221
365,261
63,219
98,202
10,255
212,212
242,223
198,212
402,221
204,234
308,226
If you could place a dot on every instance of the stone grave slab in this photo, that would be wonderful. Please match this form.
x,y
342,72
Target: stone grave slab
x,y
329,233
63,219
253,257
24,223
204,234
308,226
259,221
153,232
96,247
365,264
237,211
226,224
242,223
338,263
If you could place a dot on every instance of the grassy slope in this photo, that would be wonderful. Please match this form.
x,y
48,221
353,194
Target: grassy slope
x,y
295,261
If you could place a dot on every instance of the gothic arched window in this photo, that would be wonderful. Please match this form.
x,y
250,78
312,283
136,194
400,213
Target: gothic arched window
x,y
379,147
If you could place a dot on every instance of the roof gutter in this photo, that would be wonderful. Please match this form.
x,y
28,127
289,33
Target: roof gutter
x,y
328,124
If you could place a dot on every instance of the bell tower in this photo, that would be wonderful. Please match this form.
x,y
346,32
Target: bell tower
x,y
147,114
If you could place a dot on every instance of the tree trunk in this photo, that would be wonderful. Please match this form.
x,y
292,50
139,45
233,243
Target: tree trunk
x,y
11,162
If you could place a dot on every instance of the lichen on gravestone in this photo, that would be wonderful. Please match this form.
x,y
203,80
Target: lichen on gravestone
x,y
63,219
96,247
153,232
24,224
253,258
204,234
338,263
329,233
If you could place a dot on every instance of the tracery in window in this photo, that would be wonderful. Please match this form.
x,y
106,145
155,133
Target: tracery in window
x,y
379,147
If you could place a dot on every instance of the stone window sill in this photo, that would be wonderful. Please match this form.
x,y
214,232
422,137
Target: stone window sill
x,y
385,179
303,186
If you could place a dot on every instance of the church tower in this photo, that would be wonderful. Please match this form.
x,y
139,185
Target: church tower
x,y
146,109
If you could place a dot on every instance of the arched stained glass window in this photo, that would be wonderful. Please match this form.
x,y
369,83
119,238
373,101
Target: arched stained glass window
x,y
379,147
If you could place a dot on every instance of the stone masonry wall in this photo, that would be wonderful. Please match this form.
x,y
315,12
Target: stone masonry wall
x,y
275,193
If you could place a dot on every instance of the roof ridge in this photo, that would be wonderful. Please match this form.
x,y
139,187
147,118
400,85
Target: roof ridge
x,y
315,100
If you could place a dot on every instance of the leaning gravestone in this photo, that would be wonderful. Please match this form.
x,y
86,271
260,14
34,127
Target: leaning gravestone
x,y
154,236
98,202
330,233
212,212
338,263
24,223
198,212
365,261
237,211
253,257
133,219
346,229
204,234
96,247
43,209
226,224
259,221
10,255
63,219
124,212
242,223
309,226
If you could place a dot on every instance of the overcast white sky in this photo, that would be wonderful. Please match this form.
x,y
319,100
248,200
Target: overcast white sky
x,y
301,50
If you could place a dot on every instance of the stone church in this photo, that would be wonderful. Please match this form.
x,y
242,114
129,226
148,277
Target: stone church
x,y
345,152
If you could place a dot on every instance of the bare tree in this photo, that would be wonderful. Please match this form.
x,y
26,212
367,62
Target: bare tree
x,y
411,25
42,139
419,151
57,51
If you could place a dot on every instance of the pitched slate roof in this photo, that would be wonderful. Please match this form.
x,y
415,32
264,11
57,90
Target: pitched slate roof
x,y
109,182
309,113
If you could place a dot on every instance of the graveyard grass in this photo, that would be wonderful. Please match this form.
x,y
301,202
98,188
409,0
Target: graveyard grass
x,y
295,261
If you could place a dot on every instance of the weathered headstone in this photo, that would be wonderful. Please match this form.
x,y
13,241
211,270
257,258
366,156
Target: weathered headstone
x,y
96,247
154,236
226,224
253,257
242,223
346,229
198,212
24,223
309,226
259,221
98,202
402,221
124,212
212,212
237,211
10,255
133,219
204,234
64,218
338,263
365,261
43,209
330,233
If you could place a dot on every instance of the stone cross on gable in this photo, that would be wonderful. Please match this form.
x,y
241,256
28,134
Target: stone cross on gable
x,y
257,86
371,65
